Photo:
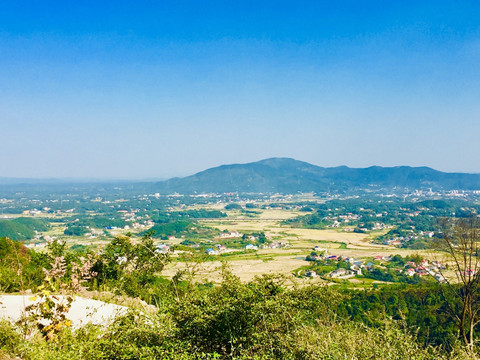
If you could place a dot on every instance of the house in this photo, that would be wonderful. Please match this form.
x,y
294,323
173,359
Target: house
x,y
220,247
210,251
356,269
231,234
469,272
311,273
251,247
163,248
410,272
341,273
421,271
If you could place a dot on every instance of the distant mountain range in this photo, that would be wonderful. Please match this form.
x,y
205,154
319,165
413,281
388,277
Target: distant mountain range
x,y
284,175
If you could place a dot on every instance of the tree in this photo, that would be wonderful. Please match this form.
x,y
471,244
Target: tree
x,y
128,260
460,240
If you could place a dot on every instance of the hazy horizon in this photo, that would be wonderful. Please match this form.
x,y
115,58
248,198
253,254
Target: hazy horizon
x,y
144,90
151,179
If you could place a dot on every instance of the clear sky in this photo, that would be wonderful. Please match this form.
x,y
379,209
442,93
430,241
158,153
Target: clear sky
x,y
140,89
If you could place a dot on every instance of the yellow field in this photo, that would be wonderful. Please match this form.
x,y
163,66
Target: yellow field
x,y
284,260
246,270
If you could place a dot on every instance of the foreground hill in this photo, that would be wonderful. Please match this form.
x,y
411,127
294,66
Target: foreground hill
x,y
286,175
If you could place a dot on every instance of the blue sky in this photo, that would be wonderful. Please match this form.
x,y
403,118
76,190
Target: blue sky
x,y
145,89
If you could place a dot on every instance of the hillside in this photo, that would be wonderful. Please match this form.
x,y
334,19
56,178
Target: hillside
x,y
21,228
286,175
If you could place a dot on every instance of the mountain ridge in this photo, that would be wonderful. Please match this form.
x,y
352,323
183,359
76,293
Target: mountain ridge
x,y
287,175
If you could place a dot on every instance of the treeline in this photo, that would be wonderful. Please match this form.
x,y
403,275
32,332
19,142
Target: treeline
x,y
164,217
181,228
310,221
184,223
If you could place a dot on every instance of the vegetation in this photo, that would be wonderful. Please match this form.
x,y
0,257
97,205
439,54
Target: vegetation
x,y
165,217
128,266
390,275
262,319
22,228
182,228
19,267
233,206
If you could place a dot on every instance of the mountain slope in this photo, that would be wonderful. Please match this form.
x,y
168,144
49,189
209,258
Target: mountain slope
x,y
286,175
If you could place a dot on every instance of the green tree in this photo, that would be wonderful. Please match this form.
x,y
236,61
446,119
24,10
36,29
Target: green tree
x,y
131,262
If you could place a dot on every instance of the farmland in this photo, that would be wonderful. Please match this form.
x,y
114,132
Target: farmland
x,y
211,230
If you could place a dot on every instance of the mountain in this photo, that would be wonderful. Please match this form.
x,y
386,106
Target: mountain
x,y
286,175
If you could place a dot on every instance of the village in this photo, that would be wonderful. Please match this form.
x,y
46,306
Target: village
x,y
383,268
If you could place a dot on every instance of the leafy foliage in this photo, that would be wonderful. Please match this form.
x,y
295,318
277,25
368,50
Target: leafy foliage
x,y
129,265
21,228
19,266
262,319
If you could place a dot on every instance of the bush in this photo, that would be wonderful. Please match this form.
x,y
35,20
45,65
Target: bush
x,y
9,338
233,206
